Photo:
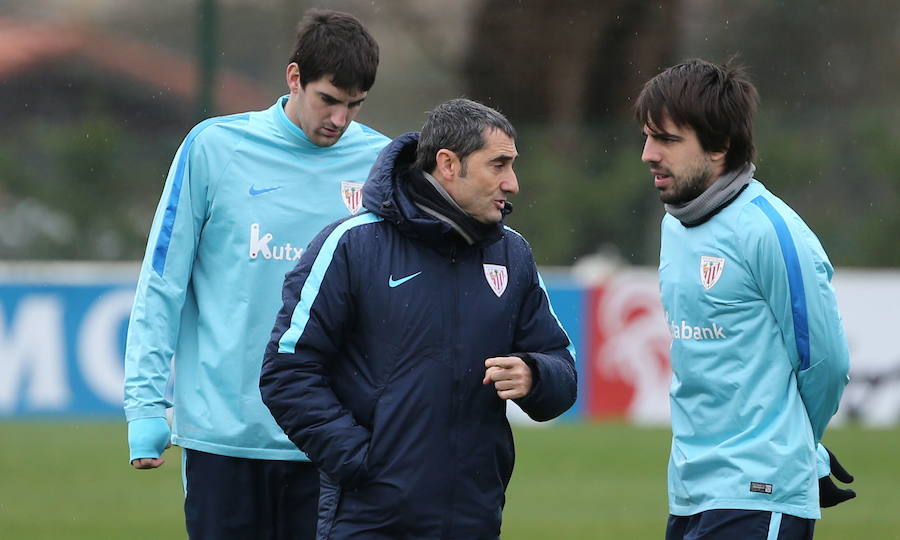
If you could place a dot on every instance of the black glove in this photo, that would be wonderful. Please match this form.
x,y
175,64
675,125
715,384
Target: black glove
x,y
829,494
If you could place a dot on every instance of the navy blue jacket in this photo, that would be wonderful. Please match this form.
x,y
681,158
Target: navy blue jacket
x,y
376,362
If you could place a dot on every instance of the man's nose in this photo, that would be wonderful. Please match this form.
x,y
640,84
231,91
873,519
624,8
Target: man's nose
x,y
651,152
339,116
510,184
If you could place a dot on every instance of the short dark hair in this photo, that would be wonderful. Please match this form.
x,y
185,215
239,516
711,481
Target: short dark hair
x,y
717,101
458,125
336,44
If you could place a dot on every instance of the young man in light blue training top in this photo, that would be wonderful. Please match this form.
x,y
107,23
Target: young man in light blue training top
x,y
244,195
759,356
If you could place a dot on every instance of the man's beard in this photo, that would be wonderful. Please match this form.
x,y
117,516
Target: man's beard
x,y
689,185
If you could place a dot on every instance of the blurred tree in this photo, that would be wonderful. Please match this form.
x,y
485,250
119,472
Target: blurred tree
x,y
79,190
566,74
567,65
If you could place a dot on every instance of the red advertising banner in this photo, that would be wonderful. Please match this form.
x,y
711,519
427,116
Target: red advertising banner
x,y
627,350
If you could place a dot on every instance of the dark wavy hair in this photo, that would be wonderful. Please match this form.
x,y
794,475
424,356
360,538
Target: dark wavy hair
x,y
716,101
458,125
336,44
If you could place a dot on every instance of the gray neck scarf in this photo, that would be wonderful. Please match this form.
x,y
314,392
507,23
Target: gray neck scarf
x,y
716,196
443,193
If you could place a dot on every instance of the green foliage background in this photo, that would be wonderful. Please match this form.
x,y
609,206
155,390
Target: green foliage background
x,y
81,179
89,187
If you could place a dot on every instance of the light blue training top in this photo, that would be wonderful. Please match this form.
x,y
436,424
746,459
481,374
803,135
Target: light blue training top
x,y
245,194
759,357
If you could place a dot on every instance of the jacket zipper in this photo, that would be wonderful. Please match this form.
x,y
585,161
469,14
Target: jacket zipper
x,y
454,407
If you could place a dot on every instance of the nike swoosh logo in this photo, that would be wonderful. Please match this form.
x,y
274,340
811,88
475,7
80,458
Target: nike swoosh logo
x,y
394,283
254,191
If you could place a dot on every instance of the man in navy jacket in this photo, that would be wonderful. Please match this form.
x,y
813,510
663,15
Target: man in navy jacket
x,y
404,331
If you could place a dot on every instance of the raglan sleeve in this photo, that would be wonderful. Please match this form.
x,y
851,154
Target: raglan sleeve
x,y
794,276
295,381
159,298
542,342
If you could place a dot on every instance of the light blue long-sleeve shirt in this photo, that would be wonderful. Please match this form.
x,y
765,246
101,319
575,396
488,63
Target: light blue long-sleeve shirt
x,y
759,357
245,194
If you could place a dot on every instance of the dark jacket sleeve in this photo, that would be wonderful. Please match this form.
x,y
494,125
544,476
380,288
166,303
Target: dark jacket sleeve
x,y
295,381
544,345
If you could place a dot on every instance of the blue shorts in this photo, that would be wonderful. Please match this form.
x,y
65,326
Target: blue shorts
x,y
743,524
238,498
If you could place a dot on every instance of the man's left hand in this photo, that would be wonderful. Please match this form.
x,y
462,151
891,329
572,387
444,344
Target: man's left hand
x,y
829,494
510,374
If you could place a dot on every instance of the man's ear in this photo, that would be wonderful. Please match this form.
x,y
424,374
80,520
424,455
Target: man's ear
x,y
292,75
718,159
446,164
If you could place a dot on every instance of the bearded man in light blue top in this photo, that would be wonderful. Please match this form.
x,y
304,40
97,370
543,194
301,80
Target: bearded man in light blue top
x,y
245,194
759,357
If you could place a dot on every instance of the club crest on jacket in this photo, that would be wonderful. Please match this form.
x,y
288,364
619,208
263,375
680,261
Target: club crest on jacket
x,y
710,270
351,192
496,277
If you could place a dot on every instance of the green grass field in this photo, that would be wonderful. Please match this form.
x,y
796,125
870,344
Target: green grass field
x,y
577,481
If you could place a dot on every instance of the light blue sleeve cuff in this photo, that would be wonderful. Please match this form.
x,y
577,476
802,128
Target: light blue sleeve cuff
x,y
148,437
823,462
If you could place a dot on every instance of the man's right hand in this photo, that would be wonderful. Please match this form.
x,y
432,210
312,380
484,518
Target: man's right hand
x,y
147,439
147,463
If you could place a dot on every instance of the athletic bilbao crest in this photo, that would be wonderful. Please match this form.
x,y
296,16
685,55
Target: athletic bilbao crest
x,y
351,192
710,270
496,278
